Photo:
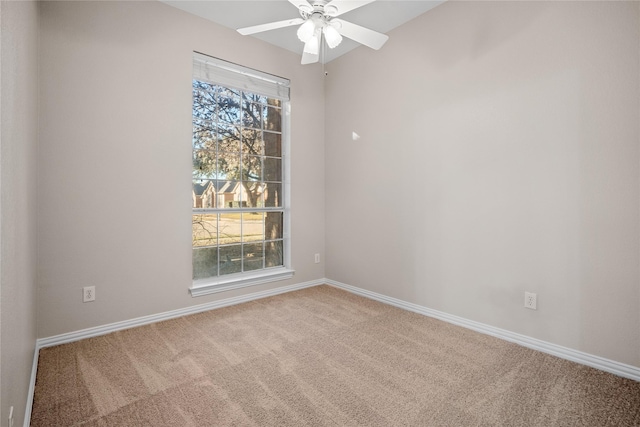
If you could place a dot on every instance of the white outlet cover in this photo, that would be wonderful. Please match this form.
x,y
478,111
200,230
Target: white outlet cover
x,y
88,293
530,300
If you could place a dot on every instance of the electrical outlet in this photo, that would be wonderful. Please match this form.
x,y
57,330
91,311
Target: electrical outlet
x,y
530,300
317,258
88,293
11,416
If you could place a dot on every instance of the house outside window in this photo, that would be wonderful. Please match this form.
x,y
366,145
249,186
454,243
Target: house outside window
x,y
240,217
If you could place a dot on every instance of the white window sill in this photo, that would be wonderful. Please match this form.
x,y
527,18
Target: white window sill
x,y
236,281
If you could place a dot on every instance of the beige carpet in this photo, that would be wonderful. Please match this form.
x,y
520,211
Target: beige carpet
x,y
319,356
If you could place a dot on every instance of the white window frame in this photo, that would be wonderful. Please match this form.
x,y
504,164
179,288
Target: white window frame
x,y
243,78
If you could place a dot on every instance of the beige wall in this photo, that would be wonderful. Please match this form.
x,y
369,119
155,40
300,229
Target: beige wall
x,y
115,129
506,135
18,144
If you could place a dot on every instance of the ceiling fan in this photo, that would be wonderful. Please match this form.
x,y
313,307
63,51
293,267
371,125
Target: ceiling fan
x,y
319,21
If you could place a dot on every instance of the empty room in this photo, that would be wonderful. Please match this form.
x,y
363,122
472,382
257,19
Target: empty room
x,y
288,213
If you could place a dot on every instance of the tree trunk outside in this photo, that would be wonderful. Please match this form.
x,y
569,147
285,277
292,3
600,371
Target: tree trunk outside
x,y
273,220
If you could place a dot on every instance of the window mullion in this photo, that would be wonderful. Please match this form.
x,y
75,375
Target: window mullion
x,y
235,210
217,245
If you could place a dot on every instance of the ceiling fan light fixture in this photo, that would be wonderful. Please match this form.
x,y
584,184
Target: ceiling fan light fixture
x,y
332,36
306,30
312,46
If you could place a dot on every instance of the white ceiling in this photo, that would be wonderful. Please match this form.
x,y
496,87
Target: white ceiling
x,y
381,15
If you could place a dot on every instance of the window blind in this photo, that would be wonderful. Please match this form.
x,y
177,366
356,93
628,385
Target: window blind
x,y
217,71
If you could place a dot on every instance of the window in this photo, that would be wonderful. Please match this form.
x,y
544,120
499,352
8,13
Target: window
x,y
239,192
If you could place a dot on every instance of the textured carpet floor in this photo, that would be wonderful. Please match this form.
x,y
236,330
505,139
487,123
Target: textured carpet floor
x,y
319,356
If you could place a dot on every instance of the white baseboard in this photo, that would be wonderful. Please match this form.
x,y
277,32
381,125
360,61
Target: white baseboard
x,y
32,388
607,365
145,320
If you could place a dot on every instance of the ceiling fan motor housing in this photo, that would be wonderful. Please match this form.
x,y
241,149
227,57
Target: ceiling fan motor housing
x,y
318,8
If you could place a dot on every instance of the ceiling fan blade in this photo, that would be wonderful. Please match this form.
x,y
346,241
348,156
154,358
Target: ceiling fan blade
x,y
338,7
362,35
270,26
302,5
